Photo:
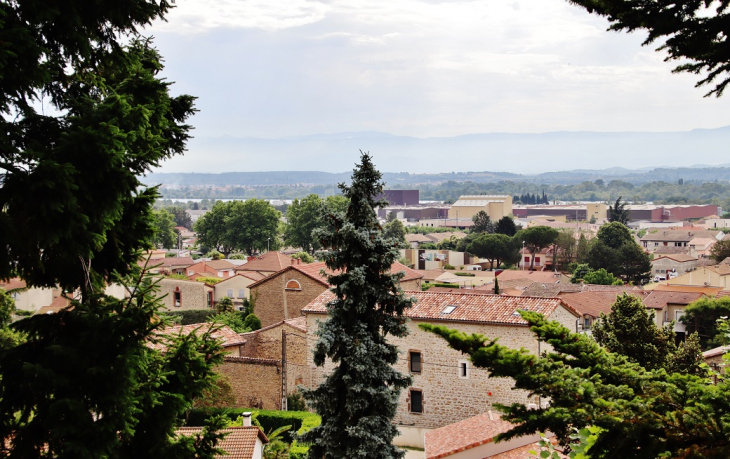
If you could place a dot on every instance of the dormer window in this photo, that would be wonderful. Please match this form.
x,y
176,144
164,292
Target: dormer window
x,y
448,309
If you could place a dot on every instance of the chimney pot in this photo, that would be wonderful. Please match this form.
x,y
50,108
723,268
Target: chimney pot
x,y
247,419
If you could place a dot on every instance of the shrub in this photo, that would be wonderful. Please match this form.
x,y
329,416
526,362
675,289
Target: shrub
x,y
233,319
448,266
209,280
224,305
295,402
465,274
23,313
252,322
192,316
445,285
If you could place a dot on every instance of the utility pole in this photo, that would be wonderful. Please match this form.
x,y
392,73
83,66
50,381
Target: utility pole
x,y
283,371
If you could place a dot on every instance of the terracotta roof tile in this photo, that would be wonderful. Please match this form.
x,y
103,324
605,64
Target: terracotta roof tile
x,y
520,283
59,303
299,323
594,303
523,452
13,284
225,335
417,238
269,262
464,435
658,299
239,442
535,276
678,257
722,350
551,290
470,307
173,261
313,270
219,265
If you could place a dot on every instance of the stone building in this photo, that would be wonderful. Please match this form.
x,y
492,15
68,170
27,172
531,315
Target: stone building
x,y
282,295
179,294
446,386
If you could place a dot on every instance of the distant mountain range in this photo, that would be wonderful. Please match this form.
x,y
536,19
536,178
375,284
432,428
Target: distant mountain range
x,y
582,153
404,179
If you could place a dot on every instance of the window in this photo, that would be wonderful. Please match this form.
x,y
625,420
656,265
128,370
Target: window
x,y
416,402
242,293
537,259
229,293
178,299
220,273
448,309
293,285
415,362
586,323
190,272
463,369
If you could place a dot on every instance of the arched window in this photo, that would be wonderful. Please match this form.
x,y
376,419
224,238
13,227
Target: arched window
x,y
293,285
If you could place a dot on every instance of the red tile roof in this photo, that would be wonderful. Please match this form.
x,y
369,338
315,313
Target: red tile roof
x,y
225,335
268,262
709,291
299,323
220,265
722,350
12,284
658,299
469,307
239,442
58,304
313,270
464,435
594,303
535,276
172,261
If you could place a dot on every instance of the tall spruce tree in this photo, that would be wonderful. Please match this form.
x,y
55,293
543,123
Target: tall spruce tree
x,y
358,400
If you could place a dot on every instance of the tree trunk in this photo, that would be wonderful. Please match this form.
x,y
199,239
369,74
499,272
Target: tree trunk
x,y
532,259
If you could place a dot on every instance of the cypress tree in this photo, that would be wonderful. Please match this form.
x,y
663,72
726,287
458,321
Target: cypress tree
x,y
358,400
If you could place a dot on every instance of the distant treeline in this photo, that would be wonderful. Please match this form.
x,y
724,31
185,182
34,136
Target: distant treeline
x,y
678,192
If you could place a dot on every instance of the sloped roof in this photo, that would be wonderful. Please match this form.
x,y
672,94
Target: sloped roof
x,y
658,299
722,350
519,284
594,303
544,290
678,257
438,237
173,261
470,307
313,271
709,291
534,276
416,237
58,304
464,435
13,283
670,249
682,235
220,264
224,334
238,443
270,262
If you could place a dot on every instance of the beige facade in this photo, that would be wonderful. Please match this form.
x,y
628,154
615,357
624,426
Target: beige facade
x,y
33,299
469,205
447,394
235,288
680,263
178,294
282,296
705,276
597,210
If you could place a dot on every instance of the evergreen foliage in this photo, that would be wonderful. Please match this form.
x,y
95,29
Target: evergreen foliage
x,y
536,238
690,32
720,250
87,384
358,400
634,413
702,317
482,223
225,304
506,225
395,230
618,212
616,251
496,248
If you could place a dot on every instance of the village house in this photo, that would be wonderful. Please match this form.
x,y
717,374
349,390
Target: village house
x,y
474,438
705,276
28,299
245,442
415,240
178,294
266,264
591,304
446,386
170,265
231,342
672,265
235,287
211,268
669,306
282,295
675,238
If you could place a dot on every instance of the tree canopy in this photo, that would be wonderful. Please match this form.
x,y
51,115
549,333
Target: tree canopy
x,y
618,212
251,226
165,235
482,223
497,248
692,32
303,217
536,238
358,399
616,251
506,225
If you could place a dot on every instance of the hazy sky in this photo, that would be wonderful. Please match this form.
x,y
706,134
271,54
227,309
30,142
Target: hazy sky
x,y
273,68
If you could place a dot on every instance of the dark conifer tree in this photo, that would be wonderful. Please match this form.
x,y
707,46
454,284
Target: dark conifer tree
x,y
358,400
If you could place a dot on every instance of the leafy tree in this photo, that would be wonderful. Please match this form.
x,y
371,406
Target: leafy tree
x,y
336,203
618,212
580,271
564,249
616,252
614,234
8,337
236,321
702,317
635,263
506,225
181,216
395,230
303,217
86,383
482,223
249,226
304,257
390,217
631,330
581,252
224,305
688,31
252,322
536,238
634,413
451,243
358,400
165,234
601,277
497,248
720,250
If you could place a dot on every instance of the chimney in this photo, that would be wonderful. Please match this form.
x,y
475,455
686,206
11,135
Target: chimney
x,y
247,419
299,261
292,261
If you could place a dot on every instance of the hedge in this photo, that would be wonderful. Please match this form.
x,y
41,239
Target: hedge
x,y
192,316
465,274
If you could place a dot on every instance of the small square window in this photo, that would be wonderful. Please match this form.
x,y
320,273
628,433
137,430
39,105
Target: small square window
x,y
463,369
229,293
241,293
415,359
416,401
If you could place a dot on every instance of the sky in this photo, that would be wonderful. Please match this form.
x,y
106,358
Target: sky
x,y
421,68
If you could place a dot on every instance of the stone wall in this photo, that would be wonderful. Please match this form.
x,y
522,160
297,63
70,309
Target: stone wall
x,y
447,396
256,383
193,295
276,303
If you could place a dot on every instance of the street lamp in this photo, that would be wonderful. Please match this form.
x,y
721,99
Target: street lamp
x,y
523,255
